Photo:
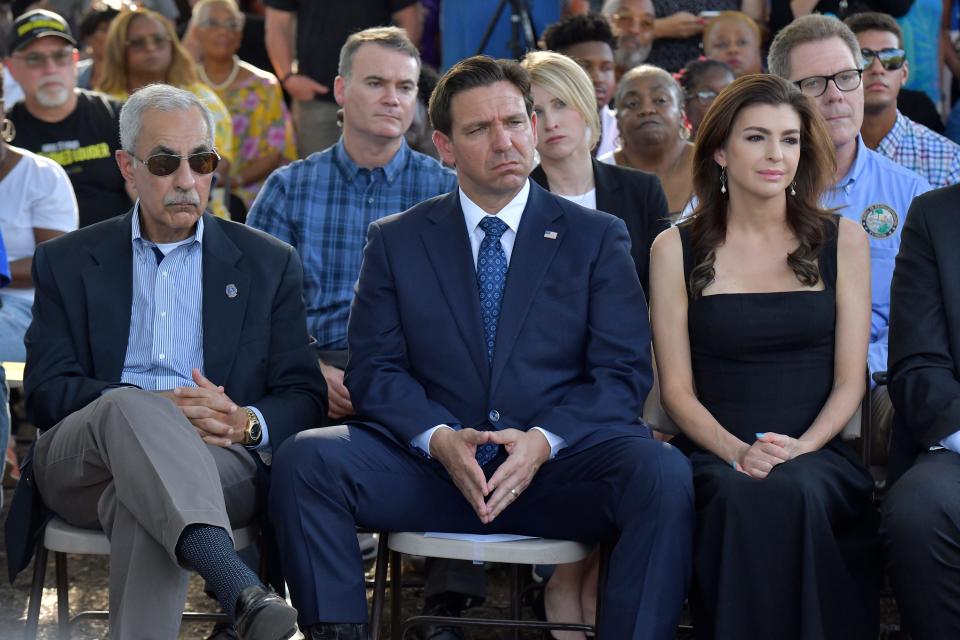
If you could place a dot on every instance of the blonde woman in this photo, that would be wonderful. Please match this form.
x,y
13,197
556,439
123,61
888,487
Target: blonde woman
x,y
568,128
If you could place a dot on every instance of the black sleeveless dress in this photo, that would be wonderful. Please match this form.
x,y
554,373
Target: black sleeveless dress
x,y
794,555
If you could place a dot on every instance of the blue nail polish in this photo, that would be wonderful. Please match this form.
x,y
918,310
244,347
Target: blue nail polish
x,y
760,436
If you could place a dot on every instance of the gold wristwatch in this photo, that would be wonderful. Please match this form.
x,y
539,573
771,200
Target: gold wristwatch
x,y
253,434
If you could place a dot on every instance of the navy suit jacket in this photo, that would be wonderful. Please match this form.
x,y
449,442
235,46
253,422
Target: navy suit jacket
x,y
924,358
254,344
635,197
572,350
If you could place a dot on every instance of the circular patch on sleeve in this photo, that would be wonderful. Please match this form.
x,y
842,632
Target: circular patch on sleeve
x,y
879,220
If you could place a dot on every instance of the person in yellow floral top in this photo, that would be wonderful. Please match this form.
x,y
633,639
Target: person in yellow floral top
x,y
143,48
262,130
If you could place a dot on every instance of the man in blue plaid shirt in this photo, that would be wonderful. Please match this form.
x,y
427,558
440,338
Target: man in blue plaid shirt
x,y
885,129
323,204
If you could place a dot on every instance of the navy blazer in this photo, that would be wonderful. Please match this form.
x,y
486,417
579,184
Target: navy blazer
x,y
924,358
573,342
254,344
635,197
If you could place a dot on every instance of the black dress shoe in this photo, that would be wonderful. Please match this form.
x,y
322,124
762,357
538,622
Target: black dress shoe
x,y
445,604
333,631
263,615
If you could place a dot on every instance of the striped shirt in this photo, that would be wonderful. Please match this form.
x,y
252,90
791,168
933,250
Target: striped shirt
x,y
166,315
322,205
923,151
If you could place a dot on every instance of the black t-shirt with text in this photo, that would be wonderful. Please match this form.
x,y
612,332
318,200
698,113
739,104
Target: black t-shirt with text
x,y
323,27
83,143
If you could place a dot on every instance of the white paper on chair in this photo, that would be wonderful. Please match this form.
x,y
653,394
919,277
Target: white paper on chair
x,y
476,537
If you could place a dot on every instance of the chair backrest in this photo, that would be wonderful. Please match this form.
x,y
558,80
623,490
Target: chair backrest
x,y
656,417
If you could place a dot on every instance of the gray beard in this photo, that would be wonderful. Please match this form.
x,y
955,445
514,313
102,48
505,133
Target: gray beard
x,y
53,97
627,59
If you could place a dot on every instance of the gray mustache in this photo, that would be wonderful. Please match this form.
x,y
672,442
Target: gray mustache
x,y
183,198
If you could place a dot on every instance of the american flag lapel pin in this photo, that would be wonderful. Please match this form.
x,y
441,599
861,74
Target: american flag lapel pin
x,y
550,235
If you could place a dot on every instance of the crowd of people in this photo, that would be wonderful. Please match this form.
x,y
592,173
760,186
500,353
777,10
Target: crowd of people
x,y
263,262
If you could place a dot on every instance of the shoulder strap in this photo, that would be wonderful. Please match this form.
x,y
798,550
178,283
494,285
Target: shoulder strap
x,y
827,260
687,245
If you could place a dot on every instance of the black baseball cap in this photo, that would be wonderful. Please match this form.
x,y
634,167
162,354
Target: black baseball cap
x,y
37,24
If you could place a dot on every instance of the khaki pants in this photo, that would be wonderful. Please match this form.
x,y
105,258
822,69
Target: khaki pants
x,y
132,464
315,124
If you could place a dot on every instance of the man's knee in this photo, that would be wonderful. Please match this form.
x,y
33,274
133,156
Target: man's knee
x,y
657,469
313,457
921,510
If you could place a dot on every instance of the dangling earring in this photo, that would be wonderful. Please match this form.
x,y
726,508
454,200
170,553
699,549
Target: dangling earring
x,y
723,180
7,131
793,188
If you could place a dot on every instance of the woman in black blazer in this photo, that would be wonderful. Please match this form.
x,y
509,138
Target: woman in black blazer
x,y
568,127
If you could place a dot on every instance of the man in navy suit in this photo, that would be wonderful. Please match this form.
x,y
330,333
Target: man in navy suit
x,y
167,358
499,358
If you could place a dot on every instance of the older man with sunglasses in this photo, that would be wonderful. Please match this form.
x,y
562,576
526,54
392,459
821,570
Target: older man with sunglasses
x,y
167,358
822,57
885,129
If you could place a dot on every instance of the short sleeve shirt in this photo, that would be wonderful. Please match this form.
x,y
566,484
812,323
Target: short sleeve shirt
x,y
323,27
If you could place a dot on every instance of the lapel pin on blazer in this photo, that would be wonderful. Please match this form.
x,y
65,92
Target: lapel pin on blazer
x,y
231,290
550,235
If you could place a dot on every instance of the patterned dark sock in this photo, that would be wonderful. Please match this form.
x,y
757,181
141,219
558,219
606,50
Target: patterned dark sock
x,y
209,551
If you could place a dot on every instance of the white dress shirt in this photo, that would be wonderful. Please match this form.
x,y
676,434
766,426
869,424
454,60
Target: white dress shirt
x,y
510,215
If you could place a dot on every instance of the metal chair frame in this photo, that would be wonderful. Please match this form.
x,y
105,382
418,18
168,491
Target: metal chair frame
x,y
390,560
97,545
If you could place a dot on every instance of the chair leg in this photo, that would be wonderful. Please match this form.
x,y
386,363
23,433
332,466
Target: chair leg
x,y
605,550
63,596
396,585
379,587
515,599
36,592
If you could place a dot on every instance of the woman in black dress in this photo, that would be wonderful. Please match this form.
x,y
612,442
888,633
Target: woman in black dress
x,y
761,315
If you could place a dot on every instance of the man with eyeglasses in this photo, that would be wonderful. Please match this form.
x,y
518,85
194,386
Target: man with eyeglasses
x,y
632,22
167,359
885,128
75,128
822,57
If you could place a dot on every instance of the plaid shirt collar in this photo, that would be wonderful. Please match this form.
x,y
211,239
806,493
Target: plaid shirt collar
x,y
350,169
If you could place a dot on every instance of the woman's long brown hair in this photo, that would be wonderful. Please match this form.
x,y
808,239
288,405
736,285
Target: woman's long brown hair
x,y
806,217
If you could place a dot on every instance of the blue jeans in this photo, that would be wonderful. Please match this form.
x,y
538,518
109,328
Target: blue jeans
x,y
15,316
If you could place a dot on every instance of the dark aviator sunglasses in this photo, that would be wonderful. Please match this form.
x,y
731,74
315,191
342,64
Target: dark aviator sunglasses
x,y
164,164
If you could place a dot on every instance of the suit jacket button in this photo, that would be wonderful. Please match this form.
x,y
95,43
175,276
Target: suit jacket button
x,y
494,415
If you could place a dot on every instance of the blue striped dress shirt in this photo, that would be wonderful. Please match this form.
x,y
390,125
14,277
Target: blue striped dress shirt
x,y
165,342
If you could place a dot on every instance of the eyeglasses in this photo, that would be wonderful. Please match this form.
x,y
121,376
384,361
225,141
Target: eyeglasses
x,y
816,86
626,21
704,96
143,43
890,59
36,60
229,25
164,164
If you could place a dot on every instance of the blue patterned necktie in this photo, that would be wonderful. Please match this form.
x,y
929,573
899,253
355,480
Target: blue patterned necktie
x,y
491,278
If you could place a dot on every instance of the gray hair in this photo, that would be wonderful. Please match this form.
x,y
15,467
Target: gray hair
x,y
646,70
811,28
202,9
158,97
610,7
389,37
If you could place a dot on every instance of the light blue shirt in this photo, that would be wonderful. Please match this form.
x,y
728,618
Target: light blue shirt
x,y
165,342
510,215
876,193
